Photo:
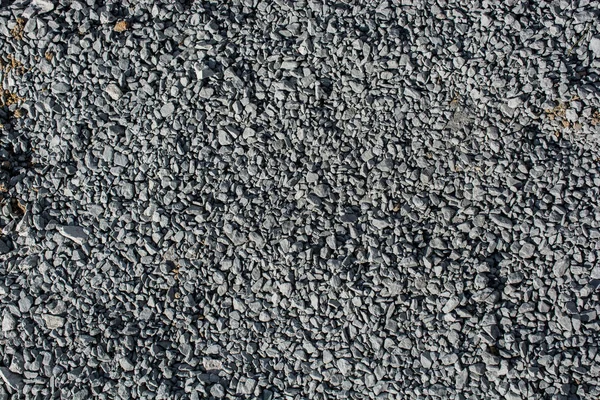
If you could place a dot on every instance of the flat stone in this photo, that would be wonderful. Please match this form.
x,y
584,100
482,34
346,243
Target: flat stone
x,y
312,177
426,360
224,138
594,46
560,267
43,6
501,221
203,72
380,224
126,364
217,391
11,379
405,343
211,364
53,321
514,102
344,366
128,190
8,322
61,88
527,250
451,304
75,233
485,20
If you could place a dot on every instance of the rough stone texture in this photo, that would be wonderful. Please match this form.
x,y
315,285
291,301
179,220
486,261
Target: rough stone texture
x,y
299,199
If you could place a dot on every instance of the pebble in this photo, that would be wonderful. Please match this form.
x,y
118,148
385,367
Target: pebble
x,y
8,322
501,221
53,321
114,91
527,250
167,109
594,46
217,391
13,381
61,88
74,233
451,304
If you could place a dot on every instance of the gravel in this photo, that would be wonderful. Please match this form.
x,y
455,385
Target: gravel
x,y
308,199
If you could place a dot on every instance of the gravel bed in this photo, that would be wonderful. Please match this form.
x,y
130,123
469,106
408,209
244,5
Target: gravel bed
x,y
307,199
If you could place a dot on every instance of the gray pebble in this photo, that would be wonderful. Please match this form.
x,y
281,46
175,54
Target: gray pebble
x,y
53,321
12,380
114,91
74,233
527,250
167,109
217,391
8,322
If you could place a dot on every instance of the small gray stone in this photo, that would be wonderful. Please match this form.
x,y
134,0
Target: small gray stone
x,y
485,20
126,364
514,278
211,364
344,366
203,72
595,274
217,391
121,160
128,190
114,91
327,356
289,65
53,321
514,102
12,380
246,386
167,109
594,46
380,224
257,238
560,267
405,343
322,190
438,243
224,138
386,165
312,177
501,220
25,304
61,88
426,360
527,250
349,218
75,233
286,289
43,6
8,322
451,304
448,213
